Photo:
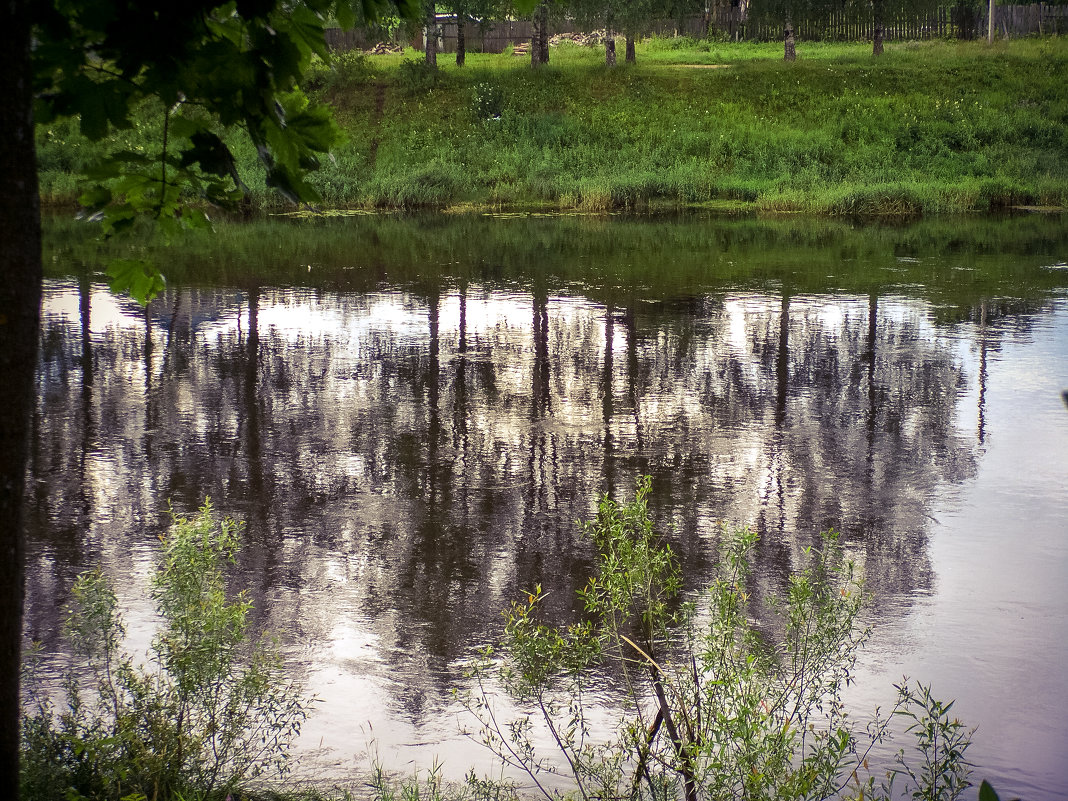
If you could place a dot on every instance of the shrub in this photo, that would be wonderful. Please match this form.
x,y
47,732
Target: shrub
x,y
714,707
416,76
213,711
343,70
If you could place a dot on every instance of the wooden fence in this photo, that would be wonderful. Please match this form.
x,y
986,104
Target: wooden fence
x,y
850,24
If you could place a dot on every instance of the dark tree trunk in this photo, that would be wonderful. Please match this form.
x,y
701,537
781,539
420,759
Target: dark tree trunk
x,y
790,50
535,39
607,409
541,348
20,302
630,49
431,43
543,34
539,37
461,42
609,44
782,362
877,33
433,396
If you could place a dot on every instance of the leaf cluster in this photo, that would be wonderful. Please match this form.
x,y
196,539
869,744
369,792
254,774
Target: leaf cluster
x,y
212,69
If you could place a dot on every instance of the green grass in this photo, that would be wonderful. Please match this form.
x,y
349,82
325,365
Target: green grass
x,y
928,128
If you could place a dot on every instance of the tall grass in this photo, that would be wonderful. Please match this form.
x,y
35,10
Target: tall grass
x,y
936,127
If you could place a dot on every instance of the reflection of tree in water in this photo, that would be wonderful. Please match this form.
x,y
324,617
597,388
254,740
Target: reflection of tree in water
x,y
410,461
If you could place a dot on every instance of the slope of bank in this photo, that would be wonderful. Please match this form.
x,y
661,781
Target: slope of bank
x,y
938,127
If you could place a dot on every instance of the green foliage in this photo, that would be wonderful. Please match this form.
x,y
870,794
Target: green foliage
x,y
987,792
929,128
341,71
940,742
207,69
214,710
715,708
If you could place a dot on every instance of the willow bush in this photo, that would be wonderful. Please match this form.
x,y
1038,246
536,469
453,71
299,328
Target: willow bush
x,y
212,709
715,706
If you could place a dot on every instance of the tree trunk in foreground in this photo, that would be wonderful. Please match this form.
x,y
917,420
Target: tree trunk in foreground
x,y
20,302
790,53
630,49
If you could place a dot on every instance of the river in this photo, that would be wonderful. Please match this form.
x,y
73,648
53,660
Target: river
x,y
412,414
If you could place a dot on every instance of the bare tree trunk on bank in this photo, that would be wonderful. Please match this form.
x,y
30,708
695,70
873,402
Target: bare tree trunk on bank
x,y
790,49
877,33
630,49
20,302
990,21
539,47
543,34
539,38
461,40
609,44
535,50
431,43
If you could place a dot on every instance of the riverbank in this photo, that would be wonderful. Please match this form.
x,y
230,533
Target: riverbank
x,y
928,128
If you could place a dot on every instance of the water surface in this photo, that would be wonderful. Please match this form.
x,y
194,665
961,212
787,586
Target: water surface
x,y
412,414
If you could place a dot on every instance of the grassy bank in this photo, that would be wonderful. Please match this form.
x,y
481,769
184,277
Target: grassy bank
x,y
929,128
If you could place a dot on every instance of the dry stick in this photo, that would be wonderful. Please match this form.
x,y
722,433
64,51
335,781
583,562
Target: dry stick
x,y
515,759
563,748
696,693
643,755
685,768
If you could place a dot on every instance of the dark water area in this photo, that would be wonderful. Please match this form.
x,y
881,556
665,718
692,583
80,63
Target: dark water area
x,y
410,415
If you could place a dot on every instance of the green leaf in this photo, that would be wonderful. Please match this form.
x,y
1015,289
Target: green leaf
x,y
137,277
987,792
291,184
95,198
316,128
185,128
195,219
307,29
118,218
99,103
346,18
211,153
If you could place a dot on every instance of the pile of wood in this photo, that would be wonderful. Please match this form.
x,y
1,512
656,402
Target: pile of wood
x,y
591,39
385,47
